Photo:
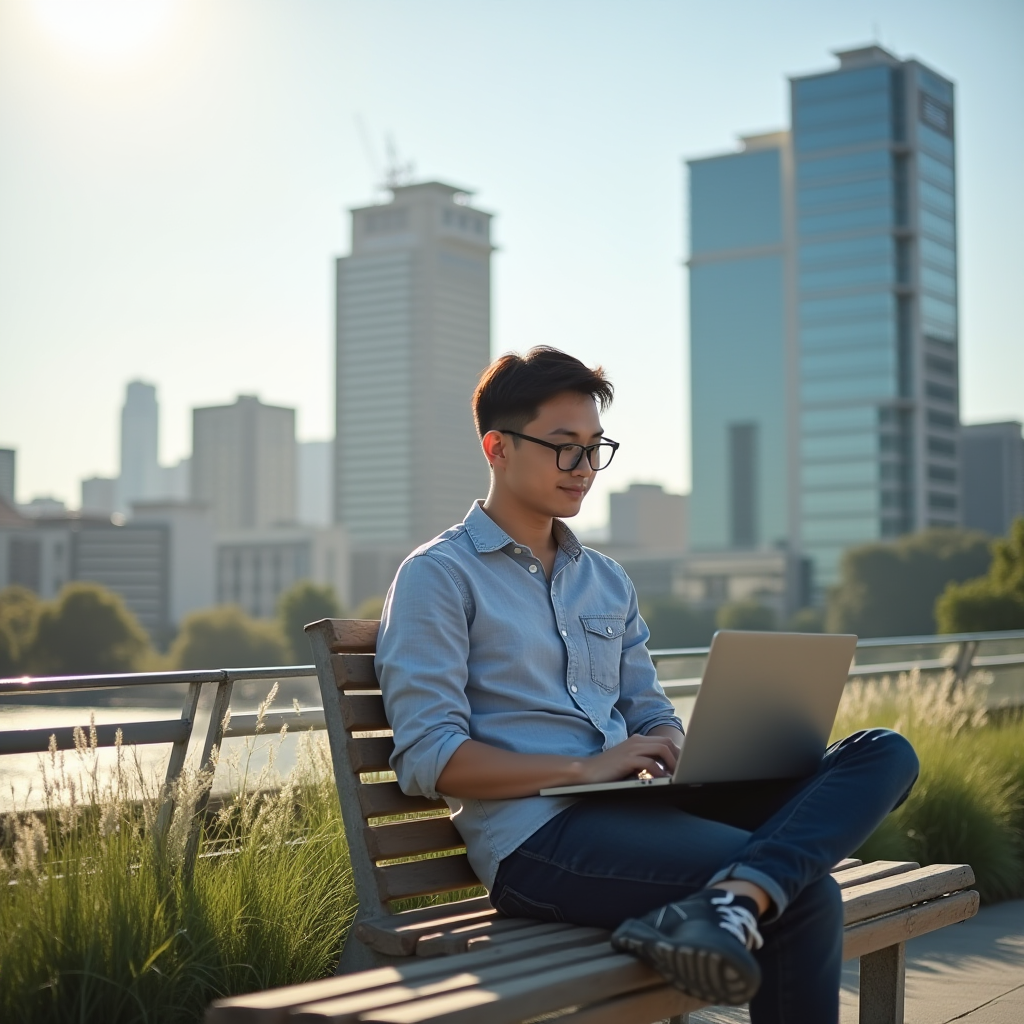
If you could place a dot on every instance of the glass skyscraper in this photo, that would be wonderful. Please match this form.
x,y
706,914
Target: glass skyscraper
x,y
864,378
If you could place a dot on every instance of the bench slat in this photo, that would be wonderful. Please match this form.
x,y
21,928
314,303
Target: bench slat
x,y
476,934
871,899
370,753
398,934
363,712
406,838
900,925
425,877
354,671
655,1004
348,636
382,799
522,997
870,872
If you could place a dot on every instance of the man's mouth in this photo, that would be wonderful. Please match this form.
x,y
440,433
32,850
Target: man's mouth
x,y
576,492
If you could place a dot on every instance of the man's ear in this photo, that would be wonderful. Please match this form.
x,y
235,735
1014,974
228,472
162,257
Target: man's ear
x,y
493,443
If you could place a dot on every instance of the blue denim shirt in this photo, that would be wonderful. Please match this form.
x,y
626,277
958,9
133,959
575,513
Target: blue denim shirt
x,y
476,643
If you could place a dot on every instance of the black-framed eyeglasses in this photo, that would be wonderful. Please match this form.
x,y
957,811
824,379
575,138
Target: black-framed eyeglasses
x,y
568,456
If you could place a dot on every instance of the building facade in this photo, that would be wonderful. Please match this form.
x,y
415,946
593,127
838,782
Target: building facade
x,y
850,375
254,567
413,334
993,470
244,464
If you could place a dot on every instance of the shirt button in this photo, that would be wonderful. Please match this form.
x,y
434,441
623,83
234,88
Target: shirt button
x,y
573,687
533,568
518,551
564,633
609,628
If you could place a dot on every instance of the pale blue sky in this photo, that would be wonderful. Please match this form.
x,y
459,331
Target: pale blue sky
x,y
171,211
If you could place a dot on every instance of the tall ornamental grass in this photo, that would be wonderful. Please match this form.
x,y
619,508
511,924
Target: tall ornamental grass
x,y
968,804
101,918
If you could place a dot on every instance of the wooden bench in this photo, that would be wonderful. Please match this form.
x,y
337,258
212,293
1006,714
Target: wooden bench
x,y
462,962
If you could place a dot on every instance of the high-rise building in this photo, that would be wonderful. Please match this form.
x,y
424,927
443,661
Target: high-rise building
x,y
993,474
140,436
824,340
243,463
413,334
8,462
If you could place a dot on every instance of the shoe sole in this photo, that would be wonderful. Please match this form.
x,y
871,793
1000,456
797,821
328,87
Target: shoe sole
x,y
701,973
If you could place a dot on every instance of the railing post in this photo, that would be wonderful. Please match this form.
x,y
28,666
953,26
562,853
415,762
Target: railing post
x,y
176,761
214,737
964,663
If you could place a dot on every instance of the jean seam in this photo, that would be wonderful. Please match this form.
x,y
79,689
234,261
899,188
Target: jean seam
x,y
618,875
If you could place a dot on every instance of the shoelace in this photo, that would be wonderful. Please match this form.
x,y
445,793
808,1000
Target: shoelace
x,y
738,921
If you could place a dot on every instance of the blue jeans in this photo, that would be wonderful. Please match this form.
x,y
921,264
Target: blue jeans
x,y
608,858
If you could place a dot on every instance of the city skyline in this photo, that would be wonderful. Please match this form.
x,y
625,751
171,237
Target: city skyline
x,y
589,222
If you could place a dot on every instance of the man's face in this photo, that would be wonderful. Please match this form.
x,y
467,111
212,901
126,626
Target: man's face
x,y
530,471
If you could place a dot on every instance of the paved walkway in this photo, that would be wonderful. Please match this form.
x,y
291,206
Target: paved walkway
x,y
971,973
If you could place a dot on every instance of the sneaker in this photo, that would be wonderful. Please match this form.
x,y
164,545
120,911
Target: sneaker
x,y
701,944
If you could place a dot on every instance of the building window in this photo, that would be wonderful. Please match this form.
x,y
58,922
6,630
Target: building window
x,y
743,485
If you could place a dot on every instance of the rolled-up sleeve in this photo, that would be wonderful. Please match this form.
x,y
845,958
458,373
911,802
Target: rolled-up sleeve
x,y
422,664
642,701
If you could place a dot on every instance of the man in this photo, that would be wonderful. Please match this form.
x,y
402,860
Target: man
x,y
512,659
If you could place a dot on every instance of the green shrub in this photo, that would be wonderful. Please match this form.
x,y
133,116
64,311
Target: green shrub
x,y
226,637
968,803
746,615
87,629
301,604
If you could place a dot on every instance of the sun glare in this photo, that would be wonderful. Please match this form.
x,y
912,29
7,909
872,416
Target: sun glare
x,y
104,28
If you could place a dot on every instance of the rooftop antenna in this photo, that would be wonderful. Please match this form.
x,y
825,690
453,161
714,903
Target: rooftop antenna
x,y
370,153
398,173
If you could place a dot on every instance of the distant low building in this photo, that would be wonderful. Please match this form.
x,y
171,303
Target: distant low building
x,y
774,577
316,483
646,516
254,567
993,475
99,495
191,560
133,561
8,462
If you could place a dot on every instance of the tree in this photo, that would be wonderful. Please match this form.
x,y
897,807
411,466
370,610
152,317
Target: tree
x,y
371,607
226,637
747,614
807,620
305,602
674,623
19,612
992,602
86,630
890,588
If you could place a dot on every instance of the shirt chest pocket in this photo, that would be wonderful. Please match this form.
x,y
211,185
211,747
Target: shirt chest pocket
x,y
604,642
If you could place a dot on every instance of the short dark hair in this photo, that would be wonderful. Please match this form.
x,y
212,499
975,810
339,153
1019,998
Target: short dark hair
x,y
513,387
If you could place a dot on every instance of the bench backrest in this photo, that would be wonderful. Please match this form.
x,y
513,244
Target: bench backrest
x,y
429,850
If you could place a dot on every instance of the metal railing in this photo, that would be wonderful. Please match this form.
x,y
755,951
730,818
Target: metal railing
x,y
679,670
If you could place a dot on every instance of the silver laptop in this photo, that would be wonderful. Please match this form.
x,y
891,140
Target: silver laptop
x,y
765,708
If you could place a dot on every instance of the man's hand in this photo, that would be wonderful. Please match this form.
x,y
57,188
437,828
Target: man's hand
x,y
478,771
655,755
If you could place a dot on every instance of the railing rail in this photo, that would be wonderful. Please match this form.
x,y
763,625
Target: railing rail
x,y
960,653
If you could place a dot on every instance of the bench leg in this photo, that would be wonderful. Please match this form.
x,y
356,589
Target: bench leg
x,y
358,957
882,981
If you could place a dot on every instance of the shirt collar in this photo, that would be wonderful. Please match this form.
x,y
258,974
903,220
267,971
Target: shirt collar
x,y
487,535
